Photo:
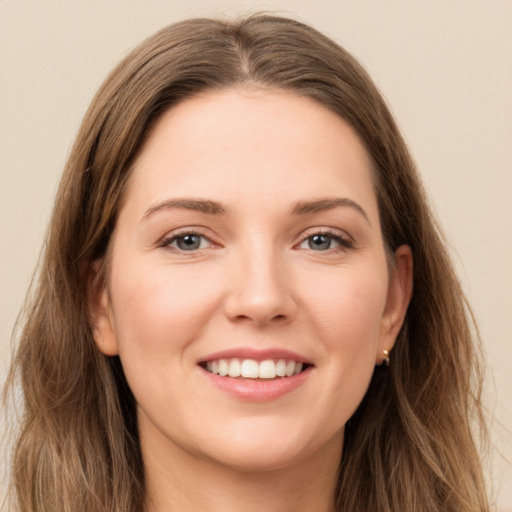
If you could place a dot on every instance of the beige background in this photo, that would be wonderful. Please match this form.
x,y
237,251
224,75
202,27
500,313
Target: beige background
x,y
444,66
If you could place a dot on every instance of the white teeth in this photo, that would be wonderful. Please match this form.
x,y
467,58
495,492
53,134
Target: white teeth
x,y
281,368
290,368
223,367
249,369
252,369
235,368
267,369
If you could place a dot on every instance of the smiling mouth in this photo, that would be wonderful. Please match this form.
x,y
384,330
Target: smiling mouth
x,y
252,369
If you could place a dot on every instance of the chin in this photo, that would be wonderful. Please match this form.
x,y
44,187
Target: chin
x,y
256,460
255,449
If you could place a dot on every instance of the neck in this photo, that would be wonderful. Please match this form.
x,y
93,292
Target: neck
x,y
177,481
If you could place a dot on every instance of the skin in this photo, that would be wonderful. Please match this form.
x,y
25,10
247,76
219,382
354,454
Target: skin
x,y
254,281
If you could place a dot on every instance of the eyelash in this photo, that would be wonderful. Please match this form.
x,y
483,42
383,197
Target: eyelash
x,y
345,242
175,236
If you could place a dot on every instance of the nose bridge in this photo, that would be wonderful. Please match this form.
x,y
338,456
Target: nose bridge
x,y
259,288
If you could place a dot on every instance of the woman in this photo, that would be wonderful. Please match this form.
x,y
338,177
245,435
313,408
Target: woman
x,y
245,301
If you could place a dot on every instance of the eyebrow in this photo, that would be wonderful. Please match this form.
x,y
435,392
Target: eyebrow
x,y
322,205
215,208
198,205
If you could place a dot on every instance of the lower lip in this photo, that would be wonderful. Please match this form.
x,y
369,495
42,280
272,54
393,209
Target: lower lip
x,y
257,390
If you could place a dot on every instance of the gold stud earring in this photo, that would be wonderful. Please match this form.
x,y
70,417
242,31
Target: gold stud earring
x,y
385,359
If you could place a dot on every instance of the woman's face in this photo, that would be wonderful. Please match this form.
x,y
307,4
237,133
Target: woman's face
x,y
249,243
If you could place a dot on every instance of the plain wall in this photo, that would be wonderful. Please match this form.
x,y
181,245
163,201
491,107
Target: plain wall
x,y
444,66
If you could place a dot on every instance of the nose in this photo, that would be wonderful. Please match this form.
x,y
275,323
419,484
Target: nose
x,y
260,289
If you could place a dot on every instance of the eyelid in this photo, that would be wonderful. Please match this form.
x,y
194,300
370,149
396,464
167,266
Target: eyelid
x,y
342,237
171,236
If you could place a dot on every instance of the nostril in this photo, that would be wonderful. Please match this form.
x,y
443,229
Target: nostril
x,y
272,319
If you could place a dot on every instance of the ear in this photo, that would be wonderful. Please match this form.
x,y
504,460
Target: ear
x,y
398,299
100,310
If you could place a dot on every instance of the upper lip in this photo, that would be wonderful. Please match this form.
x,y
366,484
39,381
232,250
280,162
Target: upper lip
x,y
257,355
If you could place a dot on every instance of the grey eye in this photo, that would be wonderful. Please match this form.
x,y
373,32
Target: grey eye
x,y
188,242
319,242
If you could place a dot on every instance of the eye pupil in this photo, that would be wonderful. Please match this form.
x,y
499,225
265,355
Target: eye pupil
x,y
319,242
189,242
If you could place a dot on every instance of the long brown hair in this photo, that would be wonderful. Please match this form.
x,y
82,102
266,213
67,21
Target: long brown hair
x,y
409,446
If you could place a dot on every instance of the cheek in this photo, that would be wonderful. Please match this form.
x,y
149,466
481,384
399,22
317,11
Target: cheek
x,y
347,313
159,308
349,306
160,312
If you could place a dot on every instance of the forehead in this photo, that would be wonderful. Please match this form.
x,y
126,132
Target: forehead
x,y
236,143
